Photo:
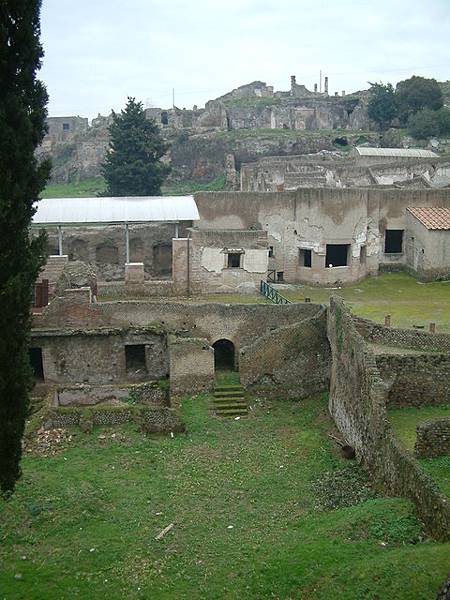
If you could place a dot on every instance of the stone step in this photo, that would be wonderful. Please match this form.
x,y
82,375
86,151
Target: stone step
x,y
229,394
230,406
232,412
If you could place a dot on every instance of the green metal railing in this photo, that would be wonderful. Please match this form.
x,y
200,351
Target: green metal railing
x,y
272,294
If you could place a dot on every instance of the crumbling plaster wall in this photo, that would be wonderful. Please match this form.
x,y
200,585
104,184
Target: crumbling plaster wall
x,y
209,270
311,218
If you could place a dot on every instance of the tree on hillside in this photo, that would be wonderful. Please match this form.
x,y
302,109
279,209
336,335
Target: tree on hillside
x,y
417,93
382,107
133,164
427,123
22,125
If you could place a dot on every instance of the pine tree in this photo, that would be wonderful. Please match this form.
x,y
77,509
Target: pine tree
x,y
133,164
22,125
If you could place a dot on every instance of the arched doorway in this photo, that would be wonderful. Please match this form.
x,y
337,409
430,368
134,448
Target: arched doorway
x,y
224,355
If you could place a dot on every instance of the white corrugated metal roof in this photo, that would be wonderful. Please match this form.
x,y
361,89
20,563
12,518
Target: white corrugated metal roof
x,y
396,152
138,209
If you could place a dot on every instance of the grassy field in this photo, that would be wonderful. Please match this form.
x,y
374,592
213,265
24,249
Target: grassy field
x,y
404,421
89,188
400,295
263,507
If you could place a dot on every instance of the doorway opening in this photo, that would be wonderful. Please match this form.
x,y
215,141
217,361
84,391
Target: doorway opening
x,y
224,355
36,363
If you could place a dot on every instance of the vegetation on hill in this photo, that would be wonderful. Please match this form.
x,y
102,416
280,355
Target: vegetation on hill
x,y
416,102
262,507
23,102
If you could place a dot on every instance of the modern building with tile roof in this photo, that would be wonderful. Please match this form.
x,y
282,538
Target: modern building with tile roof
x,y
431,217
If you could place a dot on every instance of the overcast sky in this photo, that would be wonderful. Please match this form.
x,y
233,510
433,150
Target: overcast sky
x,y
98,52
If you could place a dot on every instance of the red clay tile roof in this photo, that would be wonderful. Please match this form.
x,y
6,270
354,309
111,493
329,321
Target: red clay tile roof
x,y
431,217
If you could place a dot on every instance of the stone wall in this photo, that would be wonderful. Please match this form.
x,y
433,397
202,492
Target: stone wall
x,y
150,419
292,361
103,247
415,379
191,366
402,338
240,323
433,438
358,406
90,395
99,356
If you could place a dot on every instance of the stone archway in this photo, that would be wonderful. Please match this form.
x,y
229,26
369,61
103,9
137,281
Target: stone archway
x,y
224,355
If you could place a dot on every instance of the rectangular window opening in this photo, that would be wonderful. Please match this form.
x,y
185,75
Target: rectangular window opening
x,y
66,126
36,363
280,275
135,362
337,255
305,256
271,254
393,241
234,260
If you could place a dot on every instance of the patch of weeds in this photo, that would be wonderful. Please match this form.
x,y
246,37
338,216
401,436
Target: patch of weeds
x,y
342,487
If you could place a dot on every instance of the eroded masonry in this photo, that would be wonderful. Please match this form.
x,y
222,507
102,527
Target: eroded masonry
x,y
113,318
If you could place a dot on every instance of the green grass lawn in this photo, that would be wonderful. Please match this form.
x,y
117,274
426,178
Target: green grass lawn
x,y
400,295
404,421
251,505
87,188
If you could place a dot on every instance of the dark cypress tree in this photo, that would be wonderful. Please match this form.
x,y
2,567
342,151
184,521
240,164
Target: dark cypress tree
x,y
133,164
22,125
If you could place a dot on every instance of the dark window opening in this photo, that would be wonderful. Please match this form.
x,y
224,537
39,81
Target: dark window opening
x,y
36,363
164,118
280,275
337,255
363,255
162,259
224,355
107,254
393,241
340,141
271,254
135,363
66,126
234,260
305,257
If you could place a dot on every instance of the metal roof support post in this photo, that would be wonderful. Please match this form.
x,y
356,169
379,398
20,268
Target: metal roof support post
x,y
127,243
60,240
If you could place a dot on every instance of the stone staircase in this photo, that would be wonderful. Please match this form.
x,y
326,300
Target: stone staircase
x,y
229,400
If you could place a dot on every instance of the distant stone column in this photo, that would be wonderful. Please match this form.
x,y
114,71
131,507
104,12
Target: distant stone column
x,y
326,85
387,321
315,88
432,327
293,84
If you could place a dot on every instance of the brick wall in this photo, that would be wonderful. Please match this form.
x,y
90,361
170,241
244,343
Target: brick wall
x,y
415,380
191,366
433,438
292,361
358,406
